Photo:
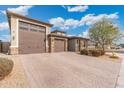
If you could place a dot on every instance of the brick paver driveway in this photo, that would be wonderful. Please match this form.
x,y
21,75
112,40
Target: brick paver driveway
x,y
68,70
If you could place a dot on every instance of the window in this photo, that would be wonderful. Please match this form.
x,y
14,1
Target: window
x,y
41,28
31,27
23,25
37,28
34,30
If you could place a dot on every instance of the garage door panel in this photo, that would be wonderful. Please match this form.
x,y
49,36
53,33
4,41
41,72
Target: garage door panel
x,y
31,42
59,45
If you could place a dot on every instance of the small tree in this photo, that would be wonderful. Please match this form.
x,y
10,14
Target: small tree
x,y
104,32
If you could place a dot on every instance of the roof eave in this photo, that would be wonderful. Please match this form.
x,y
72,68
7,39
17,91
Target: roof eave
x,y
9,13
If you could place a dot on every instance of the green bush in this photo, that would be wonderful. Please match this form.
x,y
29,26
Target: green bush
x,y
84,52
6,66
95,53
102,52
92,52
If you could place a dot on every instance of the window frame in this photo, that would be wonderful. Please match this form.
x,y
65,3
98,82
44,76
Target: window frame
x,y
30,27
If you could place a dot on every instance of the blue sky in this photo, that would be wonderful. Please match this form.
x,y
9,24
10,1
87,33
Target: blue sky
x,y
75,20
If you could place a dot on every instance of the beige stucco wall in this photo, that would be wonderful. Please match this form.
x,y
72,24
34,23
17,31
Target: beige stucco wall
x,y
51,44
48,29
13,32
66,44
82,43
58,33
14,35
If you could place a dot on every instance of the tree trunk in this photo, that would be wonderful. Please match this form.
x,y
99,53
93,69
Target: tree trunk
x,y
103,47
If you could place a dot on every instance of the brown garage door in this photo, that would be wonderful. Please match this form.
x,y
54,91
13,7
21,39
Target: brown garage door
x,y
59,45
31,41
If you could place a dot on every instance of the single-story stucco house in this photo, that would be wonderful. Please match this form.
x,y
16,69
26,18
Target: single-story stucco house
x,y
33,36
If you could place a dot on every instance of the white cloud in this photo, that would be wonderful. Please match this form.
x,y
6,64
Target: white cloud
x,y
88,19
71,23
70,35
85,34
63,6
4,26
114,15
63,24
2,12
64,27
58,22
91,18
77,8
23,10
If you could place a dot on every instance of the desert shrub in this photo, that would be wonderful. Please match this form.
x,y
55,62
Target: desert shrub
x,y
84,52
95,53
6,66
102,52
115,57
92,52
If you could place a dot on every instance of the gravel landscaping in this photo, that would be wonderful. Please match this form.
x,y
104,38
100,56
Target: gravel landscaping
x,y
107,57
17,78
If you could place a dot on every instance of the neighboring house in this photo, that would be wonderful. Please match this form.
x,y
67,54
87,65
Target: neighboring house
x,y
115,46
92,45
34,36
121,45
4,47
